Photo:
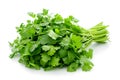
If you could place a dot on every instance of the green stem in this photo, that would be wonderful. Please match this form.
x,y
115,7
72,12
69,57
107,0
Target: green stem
x,y
99,33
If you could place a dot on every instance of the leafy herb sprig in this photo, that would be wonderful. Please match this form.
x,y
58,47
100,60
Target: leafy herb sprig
x,y
54,42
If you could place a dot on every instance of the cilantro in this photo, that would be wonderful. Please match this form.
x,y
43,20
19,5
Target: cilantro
x,y
54,61
45,57
73,67
53,41
53,35
52,50
65,41
31,14
62,52
86,64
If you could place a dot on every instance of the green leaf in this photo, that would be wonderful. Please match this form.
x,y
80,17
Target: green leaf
x,y
75,42
45,57
86,64
46,47
52,50
45,11
54,61
73,67
90,53
27,50
35,66
53,35
27,31
31,14
71,56
63,52
76,28
58,19
45,39
65,60
48,68
34,46
65,41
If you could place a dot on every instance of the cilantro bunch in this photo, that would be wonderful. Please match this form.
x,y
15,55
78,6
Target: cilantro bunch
x,y
54,42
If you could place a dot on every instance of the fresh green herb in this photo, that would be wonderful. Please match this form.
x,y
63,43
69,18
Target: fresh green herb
x,y
53,41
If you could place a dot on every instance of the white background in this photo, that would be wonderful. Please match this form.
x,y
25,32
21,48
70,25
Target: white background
x,y
90,12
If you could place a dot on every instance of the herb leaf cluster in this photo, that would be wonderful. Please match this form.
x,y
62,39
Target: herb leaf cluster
x,y
54,42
